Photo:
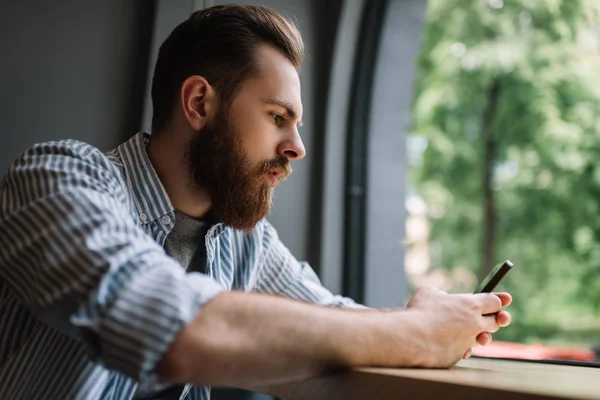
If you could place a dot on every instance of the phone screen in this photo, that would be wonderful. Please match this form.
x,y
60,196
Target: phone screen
x,y
494,277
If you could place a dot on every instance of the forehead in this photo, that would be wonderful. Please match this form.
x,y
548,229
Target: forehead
x,y
277,79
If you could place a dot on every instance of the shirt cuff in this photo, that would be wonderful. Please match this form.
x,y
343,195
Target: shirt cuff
x,y
130,331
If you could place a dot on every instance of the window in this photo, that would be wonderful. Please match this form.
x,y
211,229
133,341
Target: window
x,y
504,155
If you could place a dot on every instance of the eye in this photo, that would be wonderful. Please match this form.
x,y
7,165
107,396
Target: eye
x,y
278,119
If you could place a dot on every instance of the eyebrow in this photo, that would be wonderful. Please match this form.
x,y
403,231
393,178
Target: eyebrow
x,y
289,108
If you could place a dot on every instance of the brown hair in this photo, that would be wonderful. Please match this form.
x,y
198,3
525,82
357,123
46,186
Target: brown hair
x,y
219,43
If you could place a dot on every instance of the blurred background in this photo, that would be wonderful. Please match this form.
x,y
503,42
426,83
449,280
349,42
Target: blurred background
x,y
442,136
504,159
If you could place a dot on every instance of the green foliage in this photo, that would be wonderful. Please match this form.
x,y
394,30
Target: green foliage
x,y
543,57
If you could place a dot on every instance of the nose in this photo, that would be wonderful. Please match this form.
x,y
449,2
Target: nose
x,y
292,148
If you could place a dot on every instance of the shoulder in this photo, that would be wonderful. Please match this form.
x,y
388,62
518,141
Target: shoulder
x,y
66,156
52,167
63,153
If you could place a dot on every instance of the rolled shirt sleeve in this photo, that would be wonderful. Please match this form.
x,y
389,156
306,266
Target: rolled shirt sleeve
x,y
72,252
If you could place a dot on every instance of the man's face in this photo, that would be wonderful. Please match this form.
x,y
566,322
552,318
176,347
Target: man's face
x,y
240,156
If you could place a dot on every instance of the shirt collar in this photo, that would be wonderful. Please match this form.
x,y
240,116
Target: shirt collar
x,y
149,195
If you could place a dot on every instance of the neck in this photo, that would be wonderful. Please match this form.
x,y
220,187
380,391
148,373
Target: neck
x,y
167,155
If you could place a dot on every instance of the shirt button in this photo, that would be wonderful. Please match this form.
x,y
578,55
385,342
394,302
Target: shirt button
x,y
143,217
165,220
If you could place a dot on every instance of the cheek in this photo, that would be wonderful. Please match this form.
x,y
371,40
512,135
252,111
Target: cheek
x,y
260,144
257,132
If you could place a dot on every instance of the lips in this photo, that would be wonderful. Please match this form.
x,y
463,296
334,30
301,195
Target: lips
x,y
277,176
273,181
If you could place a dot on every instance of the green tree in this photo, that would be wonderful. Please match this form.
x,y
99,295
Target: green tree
x,y
508,99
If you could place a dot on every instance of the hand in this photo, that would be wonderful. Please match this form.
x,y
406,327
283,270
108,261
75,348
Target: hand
x,y
450,325
503,319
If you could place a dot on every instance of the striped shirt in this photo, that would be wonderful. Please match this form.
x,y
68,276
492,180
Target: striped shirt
x,y
89,300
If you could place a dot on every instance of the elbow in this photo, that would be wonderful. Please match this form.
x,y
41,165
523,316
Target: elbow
x,y
174,366
200,351
188,358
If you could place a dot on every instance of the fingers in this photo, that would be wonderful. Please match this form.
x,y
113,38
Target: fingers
x,y
490,324
489,303
484,338
494,317
503,318
492,303
506,298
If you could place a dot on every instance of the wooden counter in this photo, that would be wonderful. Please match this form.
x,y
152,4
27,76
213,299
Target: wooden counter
x,y
469,379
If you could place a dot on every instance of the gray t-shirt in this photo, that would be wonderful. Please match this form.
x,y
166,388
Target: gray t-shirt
x,y
187,237
185,243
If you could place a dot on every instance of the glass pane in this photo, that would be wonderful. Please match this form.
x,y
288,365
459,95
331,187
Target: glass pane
x,y
504,154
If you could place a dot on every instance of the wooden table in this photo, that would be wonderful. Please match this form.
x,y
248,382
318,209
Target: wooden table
x,y
469,379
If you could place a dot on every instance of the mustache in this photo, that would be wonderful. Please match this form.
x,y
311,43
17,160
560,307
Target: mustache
x,y
279,163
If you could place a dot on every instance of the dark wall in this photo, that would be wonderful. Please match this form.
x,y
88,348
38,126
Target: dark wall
x,y
71,69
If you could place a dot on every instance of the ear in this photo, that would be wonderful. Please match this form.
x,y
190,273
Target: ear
x,y
198,101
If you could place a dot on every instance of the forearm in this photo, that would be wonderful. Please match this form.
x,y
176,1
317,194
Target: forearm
x,y
240,338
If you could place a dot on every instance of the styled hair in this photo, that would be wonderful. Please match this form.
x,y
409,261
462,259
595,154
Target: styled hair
x,y
221,44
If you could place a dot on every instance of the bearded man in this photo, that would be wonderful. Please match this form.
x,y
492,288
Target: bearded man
x,y
150,272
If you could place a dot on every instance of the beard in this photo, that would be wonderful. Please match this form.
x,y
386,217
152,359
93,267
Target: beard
x,y
239,192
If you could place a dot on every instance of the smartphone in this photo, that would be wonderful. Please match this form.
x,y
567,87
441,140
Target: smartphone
x,y
494,277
